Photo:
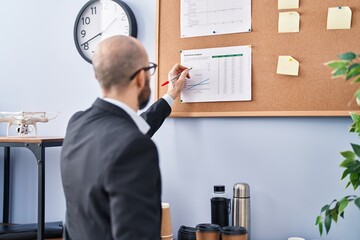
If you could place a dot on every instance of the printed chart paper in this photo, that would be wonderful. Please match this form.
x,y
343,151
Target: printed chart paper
x,y
213,17
218,74
287,65
339,18
288,4
289,22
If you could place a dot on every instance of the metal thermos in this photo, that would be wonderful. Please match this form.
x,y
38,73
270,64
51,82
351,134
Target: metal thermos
x,y
241,206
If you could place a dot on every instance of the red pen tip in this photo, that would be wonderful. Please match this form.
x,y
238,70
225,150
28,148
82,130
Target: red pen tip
x,y
164,83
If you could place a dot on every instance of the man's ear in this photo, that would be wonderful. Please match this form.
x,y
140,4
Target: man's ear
x,y
140,79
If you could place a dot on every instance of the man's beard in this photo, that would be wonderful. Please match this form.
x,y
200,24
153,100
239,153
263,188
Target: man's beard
x,y
144,96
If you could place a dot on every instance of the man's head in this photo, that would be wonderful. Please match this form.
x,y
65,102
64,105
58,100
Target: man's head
x,y
115,61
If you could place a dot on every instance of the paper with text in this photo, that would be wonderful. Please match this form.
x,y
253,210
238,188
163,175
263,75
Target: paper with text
x,y
288,4
289,22
218,74
213,17
339,18
287,65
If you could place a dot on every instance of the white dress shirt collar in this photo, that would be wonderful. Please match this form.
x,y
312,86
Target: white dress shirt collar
x,y
139,121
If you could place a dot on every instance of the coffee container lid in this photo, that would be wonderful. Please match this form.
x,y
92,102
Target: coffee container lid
x,y
186,233
241,190
207,227
233,230
187,230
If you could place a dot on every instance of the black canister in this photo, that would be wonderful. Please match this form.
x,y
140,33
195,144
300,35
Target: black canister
x,y
220,207
186,233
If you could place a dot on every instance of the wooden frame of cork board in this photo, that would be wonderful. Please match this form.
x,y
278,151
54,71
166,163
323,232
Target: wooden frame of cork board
x,y
312,93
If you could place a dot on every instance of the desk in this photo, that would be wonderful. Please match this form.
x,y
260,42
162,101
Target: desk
x,y
37,146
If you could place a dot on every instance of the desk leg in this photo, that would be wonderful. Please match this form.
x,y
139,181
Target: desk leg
x,y
41,195
6,204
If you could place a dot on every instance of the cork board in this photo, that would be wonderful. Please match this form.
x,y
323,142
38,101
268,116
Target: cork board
x,y
312,93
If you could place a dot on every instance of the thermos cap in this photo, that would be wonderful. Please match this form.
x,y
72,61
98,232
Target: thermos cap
x,y
219,188
241,190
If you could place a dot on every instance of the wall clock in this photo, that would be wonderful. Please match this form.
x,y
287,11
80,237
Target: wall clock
x,y
100,19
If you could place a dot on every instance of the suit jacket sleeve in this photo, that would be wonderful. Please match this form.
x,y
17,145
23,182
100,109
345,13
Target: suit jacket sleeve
x,y
134,189
156,115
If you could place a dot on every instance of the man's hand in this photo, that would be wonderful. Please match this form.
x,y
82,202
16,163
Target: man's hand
x,y
175,86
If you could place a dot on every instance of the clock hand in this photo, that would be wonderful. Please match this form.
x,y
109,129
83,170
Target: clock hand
x,y
109,25
99,34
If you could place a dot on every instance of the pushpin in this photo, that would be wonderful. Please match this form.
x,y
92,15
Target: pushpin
x,y
214,32
290,59
339,7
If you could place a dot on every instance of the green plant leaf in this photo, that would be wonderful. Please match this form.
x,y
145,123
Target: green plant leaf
x,y
354,167
354,177
354,66
325,208
354,70
328,223
321,228
357,202
318,220
343,204
355,117
357,94
356,149
346,163
355,181
334,215
345,173
348,154
357,80
347,56
339,72
337,64
342,214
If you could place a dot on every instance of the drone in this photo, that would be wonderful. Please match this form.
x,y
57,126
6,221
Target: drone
x,y
25,121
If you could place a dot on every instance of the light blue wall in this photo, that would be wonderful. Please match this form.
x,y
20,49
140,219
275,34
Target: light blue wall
x,y
291,164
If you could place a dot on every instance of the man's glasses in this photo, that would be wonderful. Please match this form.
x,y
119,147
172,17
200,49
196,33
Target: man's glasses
x,y
152,68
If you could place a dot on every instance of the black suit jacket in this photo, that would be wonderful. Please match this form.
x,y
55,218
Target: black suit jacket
x,y
110,174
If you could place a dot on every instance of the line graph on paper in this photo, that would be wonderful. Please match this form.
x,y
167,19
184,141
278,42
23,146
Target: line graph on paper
x,y
198,85
199,82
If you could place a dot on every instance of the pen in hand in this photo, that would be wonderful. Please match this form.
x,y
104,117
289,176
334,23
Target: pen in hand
x,y
177,76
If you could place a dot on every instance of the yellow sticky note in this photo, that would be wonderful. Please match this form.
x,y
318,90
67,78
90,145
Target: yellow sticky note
x,y
339,18
288,4
287,65
289,22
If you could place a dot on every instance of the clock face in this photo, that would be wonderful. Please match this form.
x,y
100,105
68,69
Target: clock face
x,y
100,19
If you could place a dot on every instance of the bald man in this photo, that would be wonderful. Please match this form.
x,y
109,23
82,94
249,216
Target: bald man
x,y
109,164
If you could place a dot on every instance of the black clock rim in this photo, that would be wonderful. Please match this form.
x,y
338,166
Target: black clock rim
x,y
133,24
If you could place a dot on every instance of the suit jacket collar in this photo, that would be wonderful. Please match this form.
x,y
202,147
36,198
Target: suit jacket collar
x,y
139,121
113,109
